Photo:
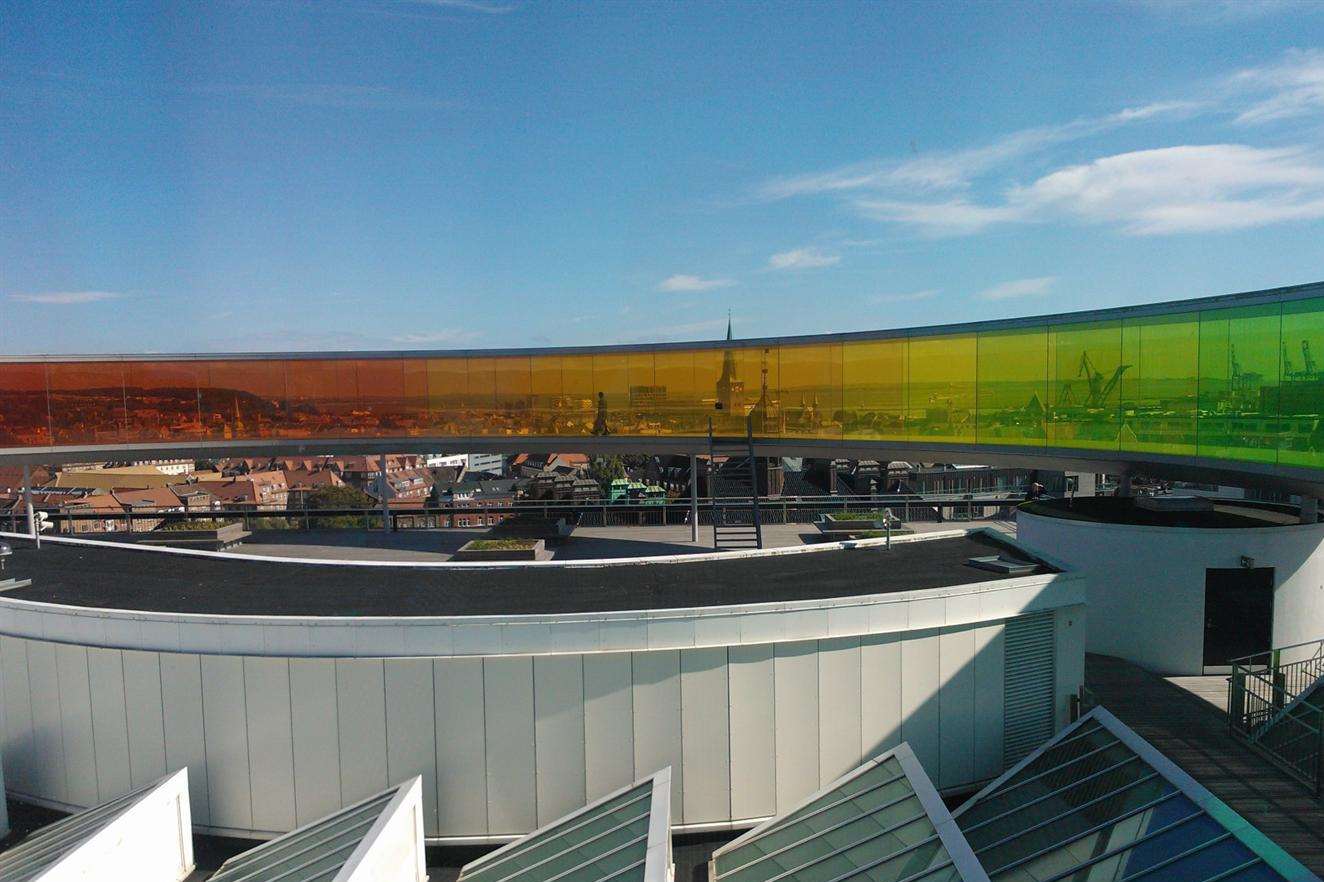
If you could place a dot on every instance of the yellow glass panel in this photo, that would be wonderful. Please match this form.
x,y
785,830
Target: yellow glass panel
x,y
644,403
514,387
1238,409
941,404
611,388
680,407
1300,391
579,410
811,391
545,394
874,387
1013,387
1083,391
1159,392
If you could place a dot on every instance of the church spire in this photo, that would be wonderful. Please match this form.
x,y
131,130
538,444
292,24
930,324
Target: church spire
x,y
728,325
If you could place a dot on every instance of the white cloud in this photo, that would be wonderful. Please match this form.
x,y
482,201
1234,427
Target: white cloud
x,y
683,283
926,294
1036,287
470,6
65,298
802,258
1293,87
449,336
952,169
1190,188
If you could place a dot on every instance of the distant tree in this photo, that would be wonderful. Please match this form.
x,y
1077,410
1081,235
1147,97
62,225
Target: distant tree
x,y
340,497
605,469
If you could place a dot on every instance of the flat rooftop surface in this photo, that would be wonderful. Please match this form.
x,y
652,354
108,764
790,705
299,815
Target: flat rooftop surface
x,y
124,578
1224,514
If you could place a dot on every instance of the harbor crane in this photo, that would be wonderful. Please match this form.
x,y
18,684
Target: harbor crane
x,y
1099,388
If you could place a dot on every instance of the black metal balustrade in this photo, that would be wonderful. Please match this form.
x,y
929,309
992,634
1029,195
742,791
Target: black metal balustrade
x,y
1276,707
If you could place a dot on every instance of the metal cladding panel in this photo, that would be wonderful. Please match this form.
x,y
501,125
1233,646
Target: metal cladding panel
x,y
989,678
753,750
839,693
225,726
361,711
558,695
657,741
411,729
19,754
461,746
921,716
880,693
80,754
110,725
47,738
956,705
795,681
144,716
271,739
1029,684
705,735
185,744
315,732
608,723
508,704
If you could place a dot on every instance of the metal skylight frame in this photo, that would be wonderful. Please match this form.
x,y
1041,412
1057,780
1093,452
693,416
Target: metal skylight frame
x,y
655,863
961,857
315,852
127,828
1263,849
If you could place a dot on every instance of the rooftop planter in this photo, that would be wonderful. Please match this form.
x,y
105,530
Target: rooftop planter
x,y
497,550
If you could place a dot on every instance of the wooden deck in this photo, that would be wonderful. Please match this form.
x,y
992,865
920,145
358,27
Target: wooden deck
x,y
1182,718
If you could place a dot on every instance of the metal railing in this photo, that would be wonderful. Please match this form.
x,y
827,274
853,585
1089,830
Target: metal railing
x,y
1276,707
937,508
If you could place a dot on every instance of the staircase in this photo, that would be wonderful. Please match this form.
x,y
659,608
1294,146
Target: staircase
x,y
734,495
1278,709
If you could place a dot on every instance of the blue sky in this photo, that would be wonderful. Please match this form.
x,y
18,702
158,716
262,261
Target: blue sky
x,y
472,173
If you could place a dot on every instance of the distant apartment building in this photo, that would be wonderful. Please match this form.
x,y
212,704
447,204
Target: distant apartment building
x,y
257,491
492,463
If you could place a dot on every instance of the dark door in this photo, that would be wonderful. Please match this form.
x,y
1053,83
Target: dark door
x,y
1238,614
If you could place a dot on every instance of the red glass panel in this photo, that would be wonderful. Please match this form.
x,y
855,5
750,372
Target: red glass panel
x,y
162,401
246,399
24,417
87,402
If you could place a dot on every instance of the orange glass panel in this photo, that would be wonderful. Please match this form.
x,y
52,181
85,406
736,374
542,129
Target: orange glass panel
x,y
322,396
87,402
811,391
645,399
480,398
514,386
382,410
1013,387
545,394
24,417
244,399
448,379
874,390
415,417
162,401
941,404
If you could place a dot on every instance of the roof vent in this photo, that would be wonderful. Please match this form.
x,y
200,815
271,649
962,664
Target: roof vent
x,y
1174,503
1001,564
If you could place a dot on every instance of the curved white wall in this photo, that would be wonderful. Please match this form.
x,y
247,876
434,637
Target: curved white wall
x,y
753,707
1146,585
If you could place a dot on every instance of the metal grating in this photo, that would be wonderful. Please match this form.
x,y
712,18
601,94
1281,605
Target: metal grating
x,y
1028,685
1099,802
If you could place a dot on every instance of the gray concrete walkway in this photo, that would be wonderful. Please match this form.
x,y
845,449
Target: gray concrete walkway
x,y
588,543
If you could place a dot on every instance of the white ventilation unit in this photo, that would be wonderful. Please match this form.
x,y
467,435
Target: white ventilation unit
x,y
1028,715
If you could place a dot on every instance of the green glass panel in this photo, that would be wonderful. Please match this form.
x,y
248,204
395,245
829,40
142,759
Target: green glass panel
x,y
1013,387
1083,391
941,403
1159,392
874,389
1238,404
1300,393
